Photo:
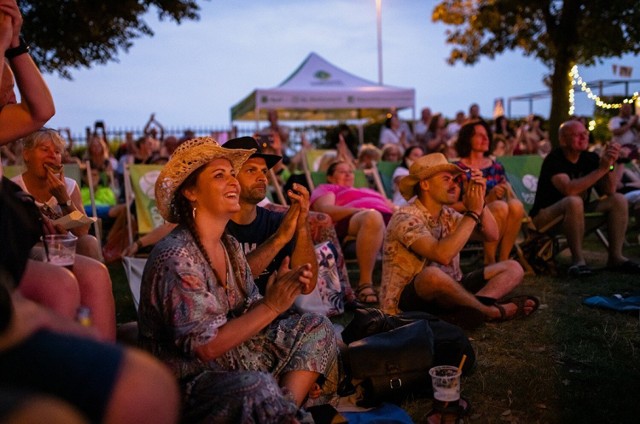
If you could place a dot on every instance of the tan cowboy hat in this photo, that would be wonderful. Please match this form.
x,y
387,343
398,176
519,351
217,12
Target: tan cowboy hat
x,y
189,156
425,167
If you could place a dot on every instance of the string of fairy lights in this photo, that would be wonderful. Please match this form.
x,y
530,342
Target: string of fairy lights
x,y
576,79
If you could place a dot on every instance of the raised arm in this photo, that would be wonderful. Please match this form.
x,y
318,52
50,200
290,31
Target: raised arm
x,y
601,176
304,251
36,103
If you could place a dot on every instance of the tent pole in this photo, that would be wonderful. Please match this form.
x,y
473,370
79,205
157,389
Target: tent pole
x,y
257,113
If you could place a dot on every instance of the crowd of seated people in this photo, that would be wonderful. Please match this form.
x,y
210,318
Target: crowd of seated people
x,y
216,320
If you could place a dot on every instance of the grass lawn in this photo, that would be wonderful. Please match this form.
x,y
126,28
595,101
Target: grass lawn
x,y
566,363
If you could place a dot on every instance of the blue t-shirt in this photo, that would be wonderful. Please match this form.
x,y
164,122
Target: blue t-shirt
x,y
252,235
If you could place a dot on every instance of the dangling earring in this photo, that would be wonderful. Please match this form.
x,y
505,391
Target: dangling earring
x,y
194,213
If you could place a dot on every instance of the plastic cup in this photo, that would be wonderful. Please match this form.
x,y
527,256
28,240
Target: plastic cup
x,y
446,383
61,249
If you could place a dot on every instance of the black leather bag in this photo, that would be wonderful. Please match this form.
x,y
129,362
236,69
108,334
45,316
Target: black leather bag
x,y
393,364
386,348
449,341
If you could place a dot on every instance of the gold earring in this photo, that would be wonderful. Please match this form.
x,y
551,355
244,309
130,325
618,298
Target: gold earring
x,y
194,213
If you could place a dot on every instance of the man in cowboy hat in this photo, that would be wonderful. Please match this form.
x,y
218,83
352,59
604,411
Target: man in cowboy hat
x,y
267,237
421,253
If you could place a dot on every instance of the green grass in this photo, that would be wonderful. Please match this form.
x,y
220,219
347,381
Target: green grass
x,y
567,363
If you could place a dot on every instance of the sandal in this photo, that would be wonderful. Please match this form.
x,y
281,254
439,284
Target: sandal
x,y
366,294
579,271
520,302
453,413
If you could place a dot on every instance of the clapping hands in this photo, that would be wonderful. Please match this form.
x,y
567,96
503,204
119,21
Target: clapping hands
x,y
285,285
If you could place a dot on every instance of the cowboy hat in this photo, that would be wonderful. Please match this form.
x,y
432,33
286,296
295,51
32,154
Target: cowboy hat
x,y
251,143
189,156
425,167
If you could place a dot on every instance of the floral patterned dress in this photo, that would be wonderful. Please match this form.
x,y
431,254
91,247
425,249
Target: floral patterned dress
x,y
182,306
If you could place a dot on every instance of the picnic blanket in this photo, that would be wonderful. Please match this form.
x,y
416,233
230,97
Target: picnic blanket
x,y
616,302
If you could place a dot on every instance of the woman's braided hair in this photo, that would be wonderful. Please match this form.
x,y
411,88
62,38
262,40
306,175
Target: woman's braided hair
x,y
184,214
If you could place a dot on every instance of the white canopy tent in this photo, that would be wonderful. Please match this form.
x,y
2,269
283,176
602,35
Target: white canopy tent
x,y
320,91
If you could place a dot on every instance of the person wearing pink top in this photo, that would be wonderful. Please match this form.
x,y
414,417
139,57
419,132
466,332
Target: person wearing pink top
x,y
357,213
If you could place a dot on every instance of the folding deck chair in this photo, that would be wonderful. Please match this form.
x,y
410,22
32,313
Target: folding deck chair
x,y
522,173
386,170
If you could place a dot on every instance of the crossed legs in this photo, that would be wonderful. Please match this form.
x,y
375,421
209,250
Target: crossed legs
x,y
434,285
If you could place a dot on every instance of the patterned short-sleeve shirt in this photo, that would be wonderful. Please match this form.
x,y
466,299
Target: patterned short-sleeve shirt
x,y
399,263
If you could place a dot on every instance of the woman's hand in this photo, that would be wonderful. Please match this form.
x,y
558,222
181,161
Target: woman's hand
x,y
498,192
285,285
49,228
57,187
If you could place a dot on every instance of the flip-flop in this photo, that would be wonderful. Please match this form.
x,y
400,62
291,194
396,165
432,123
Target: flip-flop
x,y
520,302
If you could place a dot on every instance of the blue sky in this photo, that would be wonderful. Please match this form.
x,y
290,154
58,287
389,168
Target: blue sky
x,y
191,74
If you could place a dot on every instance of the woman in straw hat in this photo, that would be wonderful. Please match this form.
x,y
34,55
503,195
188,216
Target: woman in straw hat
x,y
201,312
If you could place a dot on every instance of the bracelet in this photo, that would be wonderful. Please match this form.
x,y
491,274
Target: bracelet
x,y
268,305
138,243
22,48
473,216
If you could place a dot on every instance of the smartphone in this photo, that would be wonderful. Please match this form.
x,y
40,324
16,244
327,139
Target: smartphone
x,y
265,140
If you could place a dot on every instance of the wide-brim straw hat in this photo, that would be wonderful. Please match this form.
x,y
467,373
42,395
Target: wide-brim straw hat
x,y
189,156
424,167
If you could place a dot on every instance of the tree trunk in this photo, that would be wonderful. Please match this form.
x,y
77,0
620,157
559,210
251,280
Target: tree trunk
x,y
560,85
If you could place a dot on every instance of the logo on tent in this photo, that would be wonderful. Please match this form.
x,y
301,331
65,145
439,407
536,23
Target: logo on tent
x,y
322,75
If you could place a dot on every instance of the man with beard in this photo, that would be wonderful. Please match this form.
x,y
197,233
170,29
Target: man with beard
x,y
421,253
268,237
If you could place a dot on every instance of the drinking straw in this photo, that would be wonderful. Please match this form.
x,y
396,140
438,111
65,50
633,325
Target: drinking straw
x,y
464,358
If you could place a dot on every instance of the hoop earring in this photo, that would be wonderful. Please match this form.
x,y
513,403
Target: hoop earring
x,y
194,213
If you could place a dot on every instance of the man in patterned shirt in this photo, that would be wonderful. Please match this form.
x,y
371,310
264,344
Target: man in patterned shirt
x,y
421,253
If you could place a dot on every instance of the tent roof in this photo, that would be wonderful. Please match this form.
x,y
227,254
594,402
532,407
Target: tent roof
x,y
319,90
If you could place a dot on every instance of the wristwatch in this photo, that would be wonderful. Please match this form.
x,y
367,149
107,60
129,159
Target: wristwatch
x,y
22,48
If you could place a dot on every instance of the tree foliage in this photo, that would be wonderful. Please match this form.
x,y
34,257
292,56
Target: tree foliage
x,y
70,34
560,33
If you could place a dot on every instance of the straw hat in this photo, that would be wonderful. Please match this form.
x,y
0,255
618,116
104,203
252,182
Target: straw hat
x,y
189,156
425,167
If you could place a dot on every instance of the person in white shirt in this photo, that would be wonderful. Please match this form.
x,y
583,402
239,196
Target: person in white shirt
x,y
624,127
